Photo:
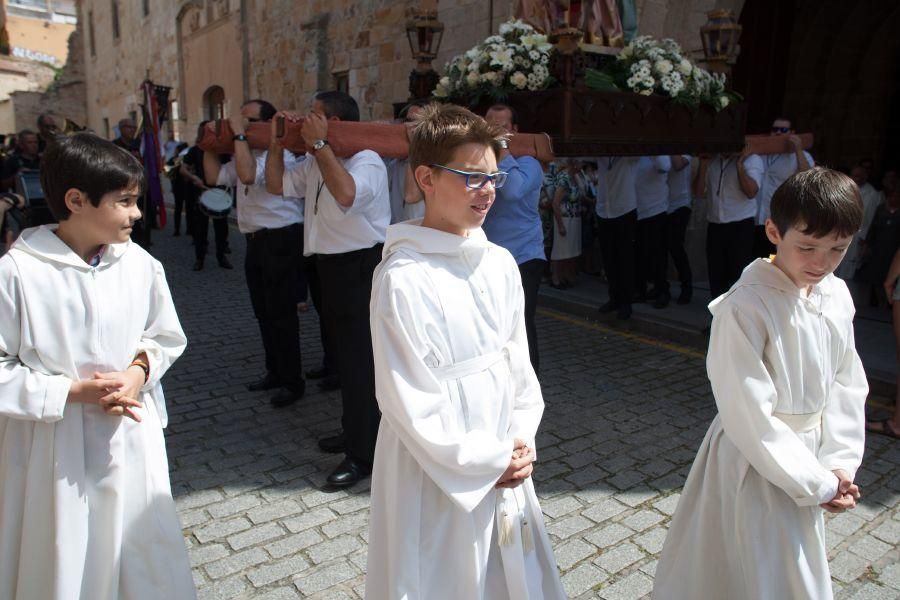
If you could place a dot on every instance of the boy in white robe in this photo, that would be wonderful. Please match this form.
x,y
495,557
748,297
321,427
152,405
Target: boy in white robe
x,y
454,513
88,328
791,392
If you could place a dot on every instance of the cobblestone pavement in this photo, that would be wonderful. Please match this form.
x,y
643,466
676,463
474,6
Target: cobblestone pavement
x,y
624,418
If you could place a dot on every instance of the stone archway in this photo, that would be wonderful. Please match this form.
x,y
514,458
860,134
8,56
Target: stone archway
x,y
214,102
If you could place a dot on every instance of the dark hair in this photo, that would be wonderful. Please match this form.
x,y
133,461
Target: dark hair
x,y
823,201
441,128
338,104
513,115
200,127
25,132
42,118
88,163
266,109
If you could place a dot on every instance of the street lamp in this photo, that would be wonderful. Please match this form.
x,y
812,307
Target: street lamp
x,y
720,38
424,32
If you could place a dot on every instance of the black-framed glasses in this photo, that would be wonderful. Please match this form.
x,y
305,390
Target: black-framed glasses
x,y
476,180
781,129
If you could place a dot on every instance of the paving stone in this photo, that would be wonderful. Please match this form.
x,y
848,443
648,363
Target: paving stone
x,y
616,558
581,579
569,526
873,591
890,576
642,520
652,541
256,535
223,590
603,510
340,546
668,504
279,510
346,524
309,519
235,563
889,532
281,569
233,506
609,535
284,593
845,523
562,506
325,578
870,548
847,567
636,585
220,529
293,543
569,554
204,554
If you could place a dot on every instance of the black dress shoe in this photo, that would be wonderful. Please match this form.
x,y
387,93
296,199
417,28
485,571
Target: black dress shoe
x,y
287,396
319,373
269,382
329,383
662,300
225,263
335,444
350,471
609,307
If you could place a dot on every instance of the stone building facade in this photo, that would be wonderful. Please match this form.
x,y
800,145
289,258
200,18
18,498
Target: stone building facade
x,y
217,53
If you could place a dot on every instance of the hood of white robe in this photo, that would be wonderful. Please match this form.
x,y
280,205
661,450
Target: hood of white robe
x,y
411,235
761,272
43,243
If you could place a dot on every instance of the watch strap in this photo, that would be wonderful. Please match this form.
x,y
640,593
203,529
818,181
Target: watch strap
x,y
239,138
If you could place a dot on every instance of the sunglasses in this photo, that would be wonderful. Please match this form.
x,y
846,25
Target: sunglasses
x,y
476,180
781,129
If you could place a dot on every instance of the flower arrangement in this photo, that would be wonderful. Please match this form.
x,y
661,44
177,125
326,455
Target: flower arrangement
x,y
516,59
649,66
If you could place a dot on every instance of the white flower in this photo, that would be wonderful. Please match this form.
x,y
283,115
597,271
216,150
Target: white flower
x,y
685,66
472,78
724,101
489,77
440,91
445,81
645,92
534,55
519,79
506,28
500,57
626,52
526,63
494,39
545,59
663,67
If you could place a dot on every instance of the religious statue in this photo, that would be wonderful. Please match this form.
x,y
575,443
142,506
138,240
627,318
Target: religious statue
x,y
599,20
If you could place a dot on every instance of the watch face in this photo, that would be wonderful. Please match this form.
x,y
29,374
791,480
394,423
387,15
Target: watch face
x,y
319,145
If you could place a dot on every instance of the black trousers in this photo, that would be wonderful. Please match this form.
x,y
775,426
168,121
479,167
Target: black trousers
x,y
200,228
651,252
617,242
329,349
676,229
729,248
762,247
273,257
346,289
531,272
179,193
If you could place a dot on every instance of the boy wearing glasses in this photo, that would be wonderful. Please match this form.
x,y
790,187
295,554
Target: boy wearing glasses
x,y
454,513
778,167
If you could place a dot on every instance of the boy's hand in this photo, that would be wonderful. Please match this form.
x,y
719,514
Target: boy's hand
x,y
123,400
520,466
846,496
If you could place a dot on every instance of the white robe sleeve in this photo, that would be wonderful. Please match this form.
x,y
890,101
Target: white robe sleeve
x,y
163,340
529,402
745,396
465,466
24,393
844,417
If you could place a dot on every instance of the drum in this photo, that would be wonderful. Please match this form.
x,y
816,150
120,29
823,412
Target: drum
x,y
216,203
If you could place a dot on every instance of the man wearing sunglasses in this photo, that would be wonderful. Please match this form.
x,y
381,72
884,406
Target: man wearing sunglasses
x,y
778,167
515,222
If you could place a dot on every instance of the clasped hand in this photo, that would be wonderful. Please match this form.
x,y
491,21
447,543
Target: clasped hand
x,y
314,128
115,392
520,466
846,496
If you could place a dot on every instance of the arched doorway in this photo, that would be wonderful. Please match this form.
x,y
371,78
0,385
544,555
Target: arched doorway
x,y
214,102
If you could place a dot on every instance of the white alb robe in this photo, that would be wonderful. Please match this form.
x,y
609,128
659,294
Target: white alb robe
x,y
791,392
86,511
455,387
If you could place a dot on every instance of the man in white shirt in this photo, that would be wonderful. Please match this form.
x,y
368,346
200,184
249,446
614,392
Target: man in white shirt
x,y
778,167
406,197
616,210
347,212
678,215
272,226
652,191
730,183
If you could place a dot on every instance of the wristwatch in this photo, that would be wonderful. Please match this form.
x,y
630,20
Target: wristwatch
x,y
504,143
239,138
318,145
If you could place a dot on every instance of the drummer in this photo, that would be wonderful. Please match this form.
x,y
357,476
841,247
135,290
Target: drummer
x,y
271,224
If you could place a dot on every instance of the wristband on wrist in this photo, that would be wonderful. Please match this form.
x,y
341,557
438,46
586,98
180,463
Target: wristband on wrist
x,y
240,137
144,367
504,143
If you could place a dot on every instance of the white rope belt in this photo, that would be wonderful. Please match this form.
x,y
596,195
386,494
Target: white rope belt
x,y
469,366
800,423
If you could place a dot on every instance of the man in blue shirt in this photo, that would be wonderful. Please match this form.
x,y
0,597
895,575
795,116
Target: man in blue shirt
x,y
514,222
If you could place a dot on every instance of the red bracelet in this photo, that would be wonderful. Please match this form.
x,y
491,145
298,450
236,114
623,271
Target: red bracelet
x,y
144,367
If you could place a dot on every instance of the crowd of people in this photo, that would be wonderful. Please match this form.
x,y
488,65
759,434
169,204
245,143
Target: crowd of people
x,y
425,274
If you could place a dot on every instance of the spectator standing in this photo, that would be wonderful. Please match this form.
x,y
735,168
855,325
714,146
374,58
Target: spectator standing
x,y
882,238
406,197
872,199
191,169
616,210
567,201
678,215
652,192
25,157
